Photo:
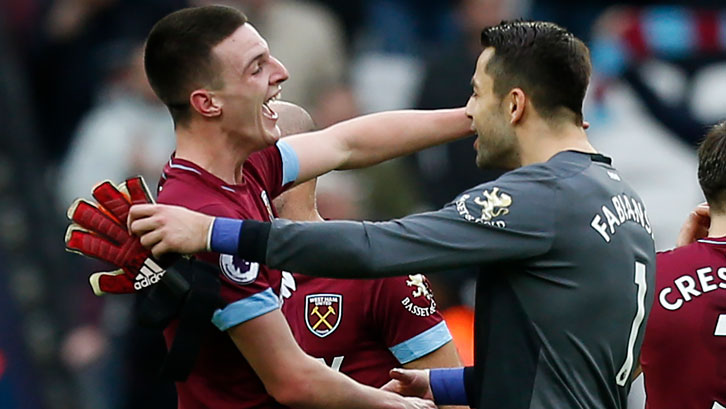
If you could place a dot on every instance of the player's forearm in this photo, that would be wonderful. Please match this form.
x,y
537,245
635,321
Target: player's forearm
x,y
426,242
343,252
319,387
294,378
378,137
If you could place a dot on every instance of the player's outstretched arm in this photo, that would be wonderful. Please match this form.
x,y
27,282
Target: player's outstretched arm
x,y
297,380
374,138
426,242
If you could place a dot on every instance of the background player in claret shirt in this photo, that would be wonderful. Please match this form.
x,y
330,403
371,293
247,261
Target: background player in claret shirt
x,y
684,350
217,77
363,328
559,236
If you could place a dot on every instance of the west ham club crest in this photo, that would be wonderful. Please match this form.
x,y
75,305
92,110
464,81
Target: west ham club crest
x,y
323,313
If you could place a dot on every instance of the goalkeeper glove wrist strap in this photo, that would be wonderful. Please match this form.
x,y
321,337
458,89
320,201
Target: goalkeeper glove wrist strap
x,y
224,235
247,239
447,386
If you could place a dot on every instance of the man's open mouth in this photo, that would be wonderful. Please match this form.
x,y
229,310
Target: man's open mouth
x,y
268,112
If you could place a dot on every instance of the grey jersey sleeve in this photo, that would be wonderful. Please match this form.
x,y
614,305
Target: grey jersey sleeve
x,y
509,219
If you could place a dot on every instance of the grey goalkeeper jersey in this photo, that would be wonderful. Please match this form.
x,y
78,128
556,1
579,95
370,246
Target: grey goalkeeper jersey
x,y
566,260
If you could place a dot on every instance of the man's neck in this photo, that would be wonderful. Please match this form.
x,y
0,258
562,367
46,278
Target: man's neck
x,y
213,150
718,225
540,141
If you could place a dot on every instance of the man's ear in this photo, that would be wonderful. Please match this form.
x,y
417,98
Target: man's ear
x,y
517,104
205,103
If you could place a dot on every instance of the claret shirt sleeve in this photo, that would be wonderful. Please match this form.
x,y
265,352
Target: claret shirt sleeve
x,y
405,313
276,168
509,219
244,286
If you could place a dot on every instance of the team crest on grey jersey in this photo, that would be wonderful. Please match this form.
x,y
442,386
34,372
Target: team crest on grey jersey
x,y
238,270
482,209
323,313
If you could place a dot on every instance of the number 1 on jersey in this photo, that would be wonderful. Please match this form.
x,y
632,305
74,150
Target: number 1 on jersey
x,y
624,373
720,330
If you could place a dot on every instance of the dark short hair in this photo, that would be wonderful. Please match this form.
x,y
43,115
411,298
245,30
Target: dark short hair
x,y
178,57
712,167
546,61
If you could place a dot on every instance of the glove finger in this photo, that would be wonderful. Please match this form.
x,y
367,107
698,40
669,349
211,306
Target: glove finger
x,y
115,282
88,216
79,240
108,196
139,192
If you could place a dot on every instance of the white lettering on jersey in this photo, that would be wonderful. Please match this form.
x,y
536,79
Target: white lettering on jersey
x,y
619,210
720,330
336,364
416,310
287,286
689,288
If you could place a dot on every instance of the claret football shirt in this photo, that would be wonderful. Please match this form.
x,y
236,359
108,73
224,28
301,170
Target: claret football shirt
x,y
684,352
222,378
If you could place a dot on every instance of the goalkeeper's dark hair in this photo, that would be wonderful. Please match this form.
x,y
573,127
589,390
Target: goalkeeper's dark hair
x,y
712,167
546,61
178,57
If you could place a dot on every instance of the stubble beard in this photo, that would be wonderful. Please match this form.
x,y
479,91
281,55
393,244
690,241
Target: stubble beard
x,y
503,155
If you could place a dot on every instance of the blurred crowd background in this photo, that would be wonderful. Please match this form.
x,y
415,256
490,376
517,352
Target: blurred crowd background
x,y
76,109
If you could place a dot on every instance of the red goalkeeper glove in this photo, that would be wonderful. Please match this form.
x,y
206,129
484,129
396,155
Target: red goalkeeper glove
x,y
99,231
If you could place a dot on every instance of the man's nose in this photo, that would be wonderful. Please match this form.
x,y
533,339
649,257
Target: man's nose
x,y
280,73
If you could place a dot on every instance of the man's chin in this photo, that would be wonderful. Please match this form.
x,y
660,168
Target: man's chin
x,y
273,135
489,163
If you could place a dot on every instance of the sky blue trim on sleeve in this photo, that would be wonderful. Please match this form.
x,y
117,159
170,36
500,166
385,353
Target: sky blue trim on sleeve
x,y
245,309
422,344
290,162
225,235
